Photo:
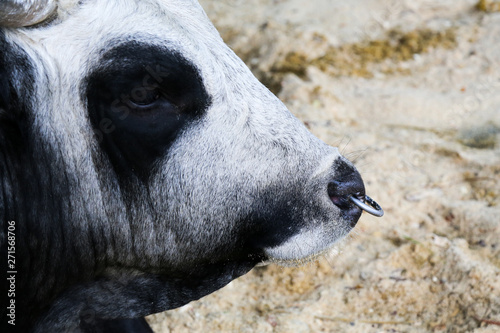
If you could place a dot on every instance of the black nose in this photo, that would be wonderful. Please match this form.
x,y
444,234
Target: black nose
x,y
347,183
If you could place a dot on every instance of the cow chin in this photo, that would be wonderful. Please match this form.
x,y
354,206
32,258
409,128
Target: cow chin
x,y
318,238
305,247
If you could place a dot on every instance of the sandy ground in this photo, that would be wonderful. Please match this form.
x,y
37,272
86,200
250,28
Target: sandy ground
x,y
410,91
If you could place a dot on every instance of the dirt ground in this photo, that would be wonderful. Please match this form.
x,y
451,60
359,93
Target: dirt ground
x,y
410,91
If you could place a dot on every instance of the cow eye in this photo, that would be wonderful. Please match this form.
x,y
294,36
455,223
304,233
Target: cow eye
x,y
144,97
140,99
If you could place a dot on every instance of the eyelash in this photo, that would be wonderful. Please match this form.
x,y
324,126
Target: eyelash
x,y
143,97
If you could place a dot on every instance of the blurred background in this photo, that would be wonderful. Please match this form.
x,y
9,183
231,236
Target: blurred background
x,y
410,91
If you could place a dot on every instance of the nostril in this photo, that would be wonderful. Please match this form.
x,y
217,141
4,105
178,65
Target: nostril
x,y
345,185
347,192
352,185
338,199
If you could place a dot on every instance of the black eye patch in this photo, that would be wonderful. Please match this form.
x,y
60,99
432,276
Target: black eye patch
x,y
139,100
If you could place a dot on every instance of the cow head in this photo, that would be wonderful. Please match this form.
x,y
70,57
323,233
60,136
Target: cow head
x,y
147,163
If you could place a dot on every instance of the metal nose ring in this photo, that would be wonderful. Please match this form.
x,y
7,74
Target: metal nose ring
x,y
372,207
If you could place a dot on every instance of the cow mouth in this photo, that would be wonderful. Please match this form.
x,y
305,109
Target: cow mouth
x,y
351,206
341,200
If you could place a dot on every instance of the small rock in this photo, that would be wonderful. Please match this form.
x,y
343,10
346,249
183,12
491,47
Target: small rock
x,y
481,137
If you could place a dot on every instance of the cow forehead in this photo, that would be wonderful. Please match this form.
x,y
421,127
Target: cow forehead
x,y
68,8
84,30
129,13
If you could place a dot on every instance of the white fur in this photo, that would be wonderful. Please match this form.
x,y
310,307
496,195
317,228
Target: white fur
x,y
214,169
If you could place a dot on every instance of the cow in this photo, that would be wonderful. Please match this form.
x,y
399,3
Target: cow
x,y
143,166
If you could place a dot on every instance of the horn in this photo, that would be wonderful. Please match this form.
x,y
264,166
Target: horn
x,y
23,13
